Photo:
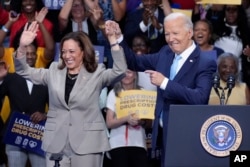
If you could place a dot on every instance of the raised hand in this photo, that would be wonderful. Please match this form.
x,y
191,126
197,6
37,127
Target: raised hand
x,y
41,15
29,34
112,29
147,15
13,16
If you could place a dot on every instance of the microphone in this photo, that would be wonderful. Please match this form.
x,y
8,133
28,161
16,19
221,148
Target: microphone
x,y
230,84
216,84
216,81
56,157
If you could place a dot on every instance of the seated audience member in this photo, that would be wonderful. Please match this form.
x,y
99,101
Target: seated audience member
x,y
149,22
203,31
239,95
127,135
28,10
73,17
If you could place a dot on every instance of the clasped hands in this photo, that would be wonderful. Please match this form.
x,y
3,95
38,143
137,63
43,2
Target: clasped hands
x,y
133,120
112,29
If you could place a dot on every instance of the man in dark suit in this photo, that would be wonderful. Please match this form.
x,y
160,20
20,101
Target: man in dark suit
x,y
192,82
26,98
149,22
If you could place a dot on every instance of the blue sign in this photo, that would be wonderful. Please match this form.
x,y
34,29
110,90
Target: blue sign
x,y
23,133
99,53
54,4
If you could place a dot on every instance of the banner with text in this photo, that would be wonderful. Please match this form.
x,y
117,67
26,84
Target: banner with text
x,y
140,102
23,133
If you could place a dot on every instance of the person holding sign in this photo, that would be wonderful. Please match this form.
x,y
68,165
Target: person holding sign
x,y
180,72
26,98
127,135
75,127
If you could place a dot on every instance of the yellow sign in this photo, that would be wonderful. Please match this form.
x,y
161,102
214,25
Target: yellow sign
x,y
186,12
140,102
223,2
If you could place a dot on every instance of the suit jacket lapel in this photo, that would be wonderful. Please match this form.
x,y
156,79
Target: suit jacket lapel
x,y
61,85
191,60
80,84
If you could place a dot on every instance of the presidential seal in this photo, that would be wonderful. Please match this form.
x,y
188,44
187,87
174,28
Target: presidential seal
x,y
220,134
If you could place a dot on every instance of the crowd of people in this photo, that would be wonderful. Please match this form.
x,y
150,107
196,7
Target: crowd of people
x,y
50,71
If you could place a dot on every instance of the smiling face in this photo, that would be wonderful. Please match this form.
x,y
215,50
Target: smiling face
x,y
28,6
178,35
202,33
150,5
31,55
129,79
139,46
72,56
77,10
227,67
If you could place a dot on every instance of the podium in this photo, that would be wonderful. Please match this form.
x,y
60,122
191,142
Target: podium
x,y
190,125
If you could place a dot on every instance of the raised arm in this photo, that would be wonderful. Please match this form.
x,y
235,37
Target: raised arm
x,y
28,35
166,7
119,9
63,17
49,52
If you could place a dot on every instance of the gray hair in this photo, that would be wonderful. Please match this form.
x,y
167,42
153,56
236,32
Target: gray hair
x,y
187,21
227,55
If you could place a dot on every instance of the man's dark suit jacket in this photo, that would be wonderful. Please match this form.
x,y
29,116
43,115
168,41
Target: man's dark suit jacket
x,y
191,85
15,87
132,28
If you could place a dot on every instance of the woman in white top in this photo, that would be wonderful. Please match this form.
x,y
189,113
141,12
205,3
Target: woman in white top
x,y
127,136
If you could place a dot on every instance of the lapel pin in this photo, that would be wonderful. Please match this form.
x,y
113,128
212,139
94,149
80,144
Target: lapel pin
x,y
191,61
